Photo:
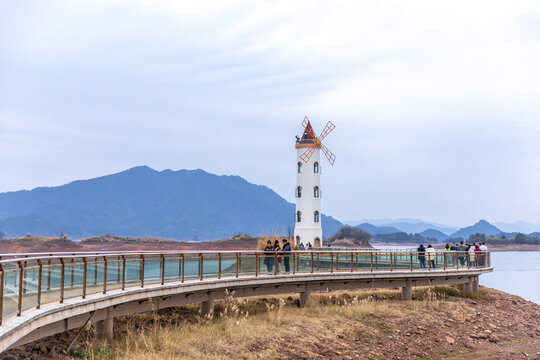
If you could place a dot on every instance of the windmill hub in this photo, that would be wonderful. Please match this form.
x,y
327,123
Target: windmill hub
x,y
308,216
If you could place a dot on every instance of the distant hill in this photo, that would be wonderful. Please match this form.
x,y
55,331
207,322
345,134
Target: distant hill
x,y
408,225
142,202
481,227
434,234
349,236
374,230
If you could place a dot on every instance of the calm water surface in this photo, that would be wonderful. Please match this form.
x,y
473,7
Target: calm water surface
x,y
515,272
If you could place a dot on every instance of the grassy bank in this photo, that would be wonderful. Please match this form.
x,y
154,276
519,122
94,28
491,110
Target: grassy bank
x,y
439,323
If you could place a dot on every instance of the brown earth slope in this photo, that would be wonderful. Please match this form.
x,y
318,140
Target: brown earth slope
x,y
439,324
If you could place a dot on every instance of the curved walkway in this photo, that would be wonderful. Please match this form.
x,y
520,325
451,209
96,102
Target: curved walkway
x,y
45,295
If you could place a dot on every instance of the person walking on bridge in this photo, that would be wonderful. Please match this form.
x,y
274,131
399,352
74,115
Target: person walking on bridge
x,y
461,248
286,252
422,256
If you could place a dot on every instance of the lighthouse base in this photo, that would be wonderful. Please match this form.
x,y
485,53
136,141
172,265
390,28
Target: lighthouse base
x,y
308,235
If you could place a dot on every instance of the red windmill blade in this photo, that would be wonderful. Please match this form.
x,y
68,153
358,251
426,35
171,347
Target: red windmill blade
x,y
308,128
329,155
307,154
327,130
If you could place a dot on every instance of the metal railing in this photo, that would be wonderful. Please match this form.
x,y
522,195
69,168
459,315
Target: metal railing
x,y
31,280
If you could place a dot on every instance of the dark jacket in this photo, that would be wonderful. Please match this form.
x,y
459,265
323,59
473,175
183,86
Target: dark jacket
x,y
421,253
286,249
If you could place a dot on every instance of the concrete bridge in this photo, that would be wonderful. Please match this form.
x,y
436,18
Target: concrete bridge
x,y
45,294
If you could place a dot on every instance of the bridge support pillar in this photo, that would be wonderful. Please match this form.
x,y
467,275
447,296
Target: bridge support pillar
x,y
207,307
468,286
304,297
406,291
475,285
104,328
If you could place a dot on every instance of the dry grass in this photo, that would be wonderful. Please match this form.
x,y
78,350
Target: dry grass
x,y
269,327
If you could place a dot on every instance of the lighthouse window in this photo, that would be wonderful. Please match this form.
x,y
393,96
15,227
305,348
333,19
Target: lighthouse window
x,y
316,167
298,216
299,192
299,167
316,216
316,191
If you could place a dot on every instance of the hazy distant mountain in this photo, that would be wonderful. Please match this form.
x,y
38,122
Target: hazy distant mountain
x,y
519,226
481,227
141,202
408,225
435,234
374,230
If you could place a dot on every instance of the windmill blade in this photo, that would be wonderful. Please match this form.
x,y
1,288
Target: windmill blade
x,y
327,130
307,154
308,128
329,155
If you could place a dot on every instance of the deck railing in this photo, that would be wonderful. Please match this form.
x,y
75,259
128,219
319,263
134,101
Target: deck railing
x,y
31,280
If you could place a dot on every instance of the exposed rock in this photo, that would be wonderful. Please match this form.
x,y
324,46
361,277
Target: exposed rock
x,y
450,340
494,338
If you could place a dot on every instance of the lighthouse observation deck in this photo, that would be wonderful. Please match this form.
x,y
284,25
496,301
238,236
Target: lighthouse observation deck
x,y
44,294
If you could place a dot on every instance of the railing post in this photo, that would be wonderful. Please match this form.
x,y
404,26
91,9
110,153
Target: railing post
x,y
95,270
49,263
142,270
85,269
371,254
1,293
40,271
293,263
312,262
219,266
429,260
162,269
352,262
411,261
182,267
62,276
72,271
237,264
201,267
457,261
391,263
275,264
331,262
444,260
256,264
20,287
123,272
105,275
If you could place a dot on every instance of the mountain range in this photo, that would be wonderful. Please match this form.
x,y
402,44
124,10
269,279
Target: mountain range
x,y
181,205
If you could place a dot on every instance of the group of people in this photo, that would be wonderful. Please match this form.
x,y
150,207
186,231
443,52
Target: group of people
x,y
304,247
275,254
467,254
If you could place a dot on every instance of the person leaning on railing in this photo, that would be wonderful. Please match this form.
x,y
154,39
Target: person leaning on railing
x,y
277,249
422,256
472,256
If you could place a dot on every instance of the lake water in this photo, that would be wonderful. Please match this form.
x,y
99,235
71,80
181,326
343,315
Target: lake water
x,y
515,272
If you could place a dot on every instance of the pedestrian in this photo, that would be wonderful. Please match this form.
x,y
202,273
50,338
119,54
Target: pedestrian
x,y
286,255
421,256
430,252
484,250
269,257
461,251
478,254
447,247
472,258
302,247
309,246
277,249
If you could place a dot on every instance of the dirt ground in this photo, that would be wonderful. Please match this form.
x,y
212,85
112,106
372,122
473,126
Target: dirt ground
x,y
440,323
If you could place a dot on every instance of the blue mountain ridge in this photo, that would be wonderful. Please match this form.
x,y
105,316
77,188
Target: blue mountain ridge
x,y
181,205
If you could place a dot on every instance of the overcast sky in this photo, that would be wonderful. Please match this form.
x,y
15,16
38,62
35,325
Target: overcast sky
x,y
436,104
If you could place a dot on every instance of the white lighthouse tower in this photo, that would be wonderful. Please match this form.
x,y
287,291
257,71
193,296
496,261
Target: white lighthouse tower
x,y
308,215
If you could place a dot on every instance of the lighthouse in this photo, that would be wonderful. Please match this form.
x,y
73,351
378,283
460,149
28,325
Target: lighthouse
x,y
308,192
